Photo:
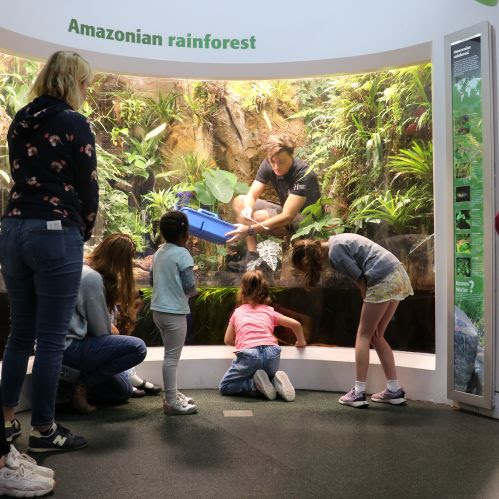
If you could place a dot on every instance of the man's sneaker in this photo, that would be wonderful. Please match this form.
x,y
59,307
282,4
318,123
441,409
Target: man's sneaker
x,y
21,482
354,400
184,398
12,430
15,460
263,385
59,439
242,265
179,408
283,386
388,397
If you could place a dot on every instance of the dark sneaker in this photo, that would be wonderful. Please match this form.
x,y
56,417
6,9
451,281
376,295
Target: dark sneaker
x,y
12,430
388,397
354,400
283,386
59,439
242,265
263,385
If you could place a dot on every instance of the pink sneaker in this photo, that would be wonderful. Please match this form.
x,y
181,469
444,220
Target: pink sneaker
x,y
388,397
354,400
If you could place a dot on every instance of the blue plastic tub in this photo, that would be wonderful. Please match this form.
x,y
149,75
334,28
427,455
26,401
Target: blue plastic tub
x,y
207,225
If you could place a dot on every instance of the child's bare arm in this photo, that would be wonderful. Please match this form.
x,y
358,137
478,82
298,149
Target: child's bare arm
x,y
296,327
230,335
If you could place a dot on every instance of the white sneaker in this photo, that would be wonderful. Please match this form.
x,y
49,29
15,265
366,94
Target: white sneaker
x,y
263,385
15,459
22,482
179,408
184,398
283,386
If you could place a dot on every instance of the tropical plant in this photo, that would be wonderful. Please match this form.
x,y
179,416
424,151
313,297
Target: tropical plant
x,y
270,252
317,222
218,186
186,170
416,161
159,202
400,211
163,109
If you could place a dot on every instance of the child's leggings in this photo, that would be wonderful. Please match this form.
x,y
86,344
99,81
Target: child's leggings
x,y
173,329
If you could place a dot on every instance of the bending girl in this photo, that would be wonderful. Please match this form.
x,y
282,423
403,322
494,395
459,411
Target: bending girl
x,y
383,283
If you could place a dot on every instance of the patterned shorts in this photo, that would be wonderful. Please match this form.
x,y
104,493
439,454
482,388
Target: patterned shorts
x,y
395,286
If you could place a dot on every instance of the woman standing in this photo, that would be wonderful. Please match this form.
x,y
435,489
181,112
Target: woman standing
x,y
383,283
51,211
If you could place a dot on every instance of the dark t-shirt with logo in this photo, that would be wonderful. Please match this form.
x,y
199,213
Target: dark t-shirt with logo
x,y
297,181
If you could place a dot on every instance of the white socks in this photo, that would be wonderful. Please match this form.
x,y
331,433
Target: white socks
x,y
360,386
393,385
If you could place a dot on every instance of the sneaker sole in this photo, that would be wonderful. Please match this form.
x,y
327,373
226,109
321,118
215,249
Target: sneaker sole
x,y
26,493
390,401
358,405
263,386
181,413
56,449
283,386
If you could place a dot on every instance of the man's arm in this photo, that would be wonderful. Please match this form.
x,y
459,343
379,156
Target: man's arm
x,y
291,208
254,193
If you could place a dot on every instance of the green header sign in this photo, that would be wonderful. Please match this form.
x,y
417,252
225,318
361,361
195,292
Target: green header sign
x,y
468,220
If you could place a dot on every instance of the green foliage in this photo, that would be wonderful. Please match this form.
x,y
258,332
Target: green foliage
x,y
400,211
365,128
164,109
129,107
317,222
256,95
218,186
186,170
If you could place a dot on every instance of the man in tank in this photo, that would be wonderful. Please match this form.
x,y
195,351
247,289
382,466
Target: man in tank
x,y
296,187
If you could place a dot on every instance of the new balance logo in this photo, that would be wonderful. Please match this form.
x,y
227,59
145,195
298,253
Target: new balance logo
x,y
59,440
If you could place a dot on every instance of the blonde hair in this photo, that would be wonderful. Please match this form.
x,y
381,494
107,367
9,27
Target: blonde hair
x,y
62,77
279,143
254,289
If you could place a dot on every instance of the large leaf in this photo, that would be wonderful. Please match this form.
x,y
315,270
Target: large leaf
x,y
221,184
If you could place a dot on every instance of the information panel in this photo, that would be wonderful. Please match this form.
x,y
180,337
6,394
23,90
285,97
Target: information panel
x,y
472,201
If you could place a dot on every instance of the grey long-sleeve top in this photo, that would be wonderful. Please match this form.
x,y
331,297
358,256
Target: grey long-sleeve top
x,y
91,315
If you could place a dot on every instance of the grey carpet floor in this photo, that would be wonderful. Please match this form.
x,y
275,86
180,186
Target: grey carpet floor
x,y
310,448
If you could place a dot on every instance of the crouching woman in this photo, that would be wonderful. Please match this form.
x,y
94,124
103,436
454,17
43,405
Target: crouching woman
x,y
93,345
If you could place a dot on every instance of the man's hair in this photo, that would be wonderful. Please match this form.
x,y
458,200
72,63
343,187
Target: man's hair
x,y
279,143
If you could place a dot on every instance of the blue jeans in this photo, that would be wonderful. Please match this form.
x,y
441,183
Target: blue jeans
x,y
42,272
102,361
239,377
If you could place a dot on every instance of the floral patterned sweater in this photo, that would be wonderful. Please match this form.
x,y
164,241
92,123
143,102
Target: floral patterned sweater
x,y
53,165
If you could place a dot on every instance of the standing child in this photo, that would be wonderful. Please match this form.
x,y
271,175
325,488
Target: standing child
x,y
383,282
173,284
250,330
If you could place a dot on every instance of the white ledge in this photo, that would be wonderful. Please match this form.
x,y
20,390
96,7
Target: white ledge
x,y
311,368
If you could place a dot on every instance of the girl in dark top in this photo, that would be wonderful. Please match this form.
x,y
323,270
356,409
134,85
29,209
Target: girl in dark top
x,y
51,211
383,282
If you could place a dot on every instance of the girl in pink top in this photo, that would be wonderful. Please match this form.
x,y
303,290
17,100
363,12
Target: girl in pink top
x,y
251,331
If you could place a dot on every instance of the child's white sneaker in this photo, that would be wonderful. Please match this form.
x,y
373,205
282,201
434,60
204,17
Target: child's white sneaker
x,y
15,460
283,386
184,398
179,408
263,385
22,482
